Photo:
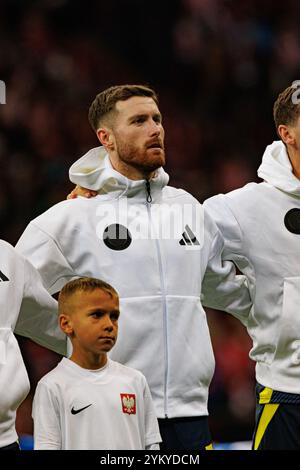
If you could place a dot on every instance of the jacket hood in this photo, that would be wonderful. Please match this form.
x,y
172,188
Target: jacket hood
x,y
277,170
94,171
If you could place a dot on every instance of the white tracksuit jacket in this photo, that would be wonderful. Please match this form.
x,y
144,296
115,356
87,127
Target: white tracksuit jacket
x,y
26,309
261,227
162,328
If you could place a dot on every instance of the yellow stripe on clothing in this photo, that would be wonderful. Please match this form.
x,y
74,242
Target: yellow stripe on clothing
x,y
266,416
209,447
265,396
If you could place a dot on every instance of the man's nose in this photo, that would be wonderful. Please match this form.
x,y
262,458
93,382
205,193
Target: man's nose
x,y
155,128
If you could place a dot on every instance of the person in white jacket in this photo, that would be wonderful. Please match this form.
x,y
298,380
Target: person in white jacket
x,y
156,246
28,310
261,227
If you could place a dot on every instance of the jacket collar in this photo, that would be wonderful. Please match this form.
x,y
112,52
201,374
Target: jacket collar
x,y
94,171
277,170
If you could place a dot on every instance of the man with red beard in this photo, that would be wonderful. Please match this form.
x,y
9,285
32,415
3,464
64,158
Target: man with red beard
x,y
156,246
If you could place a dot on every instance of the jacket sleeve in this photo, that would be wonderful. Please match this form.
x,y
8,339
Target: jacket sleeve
x,y
223,209
46,256
38,316
45,413
222,287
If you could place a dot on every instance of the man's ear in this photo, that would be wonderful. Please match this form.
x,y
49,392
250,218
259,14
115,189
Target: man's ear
x,y
65,324
286,134
106,138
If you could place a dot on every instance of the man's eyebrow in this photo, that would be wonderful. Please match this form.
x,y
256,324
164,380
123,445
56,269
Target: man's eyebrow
x,y
136,116
144,116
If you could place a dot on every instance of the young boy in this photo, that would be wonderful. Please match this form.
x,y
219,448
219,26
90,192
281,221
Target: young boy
x,y
90,401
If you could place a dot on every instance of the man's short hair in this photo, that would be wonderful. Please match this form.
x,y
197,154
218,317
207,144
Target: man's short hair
x,y
84,284
105,102
285,110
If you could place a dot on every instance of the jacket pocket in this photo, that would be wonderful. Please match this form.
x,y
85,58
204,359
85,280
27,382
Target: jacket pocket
x,y
288,339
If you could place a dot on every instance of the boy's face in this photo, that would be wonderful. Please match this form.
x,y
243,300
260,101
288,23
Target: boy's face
x,y
92,322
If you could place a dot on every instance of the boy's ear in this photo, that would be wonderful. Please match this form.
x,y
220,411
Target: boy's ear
x,y
65,324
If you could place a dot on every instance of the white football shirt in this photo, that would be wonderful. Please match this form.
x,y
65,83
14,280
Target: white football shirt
x,y
109,408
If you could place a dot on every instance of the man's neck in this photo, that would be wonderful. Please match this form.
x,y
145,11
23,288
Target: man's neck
x,y
294,156
129,171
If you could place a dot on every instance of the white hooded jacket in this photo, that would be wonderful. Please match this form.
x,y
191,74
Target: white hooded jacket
x,y
157,269
26,308
261,227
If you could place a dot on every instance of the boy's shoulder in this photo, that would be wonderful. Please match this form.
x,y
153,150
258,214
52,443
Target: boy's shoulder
x,y
64,375
56,375
126,371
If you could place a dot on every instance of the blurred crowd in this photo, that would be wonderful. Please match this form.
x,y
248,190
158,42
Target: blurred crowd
x,y
217,65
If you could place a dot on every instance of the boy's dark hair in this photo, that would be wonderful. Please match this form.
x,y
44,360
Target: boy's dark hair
x,y
105,102
285,111
85,284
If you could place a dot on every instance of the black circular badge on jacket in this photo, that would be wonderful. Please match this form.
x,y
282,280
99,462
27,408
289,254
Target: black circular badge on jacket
x,y
292,221
117,237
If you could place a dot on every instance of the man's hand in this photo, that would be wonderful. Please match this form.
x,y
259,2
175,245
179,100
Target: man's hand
x,y
84,192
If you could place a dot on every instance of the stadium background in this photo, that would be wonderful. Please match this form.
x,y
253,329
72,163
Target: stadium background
x,y
217,66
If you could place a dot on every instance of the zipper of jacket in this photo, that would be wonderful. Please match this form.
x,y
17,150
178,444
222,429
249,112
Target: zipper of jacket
x,y
161,275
